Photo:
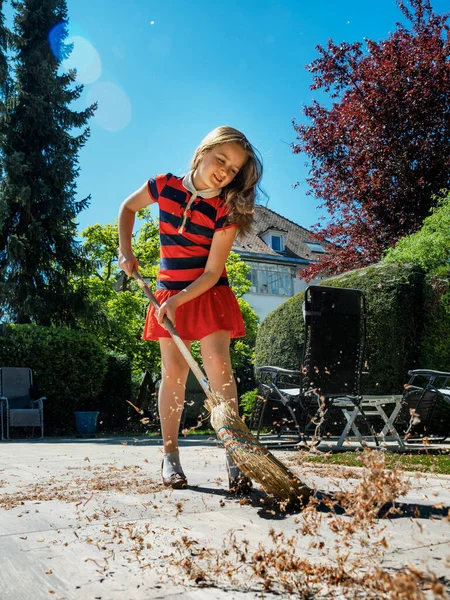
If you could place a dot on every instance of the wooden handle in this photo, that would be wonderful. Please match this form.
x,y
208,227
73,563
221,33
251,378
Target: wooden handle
x,y
200,376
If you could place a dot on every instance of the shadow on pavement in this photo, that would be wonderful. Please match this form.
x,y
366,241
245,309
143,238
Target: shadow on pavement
x,y
188,441
404,510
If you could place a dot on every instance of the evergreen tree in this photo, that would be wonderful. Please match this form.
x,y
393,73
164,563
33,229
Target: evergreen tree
x,y
4,34
39,254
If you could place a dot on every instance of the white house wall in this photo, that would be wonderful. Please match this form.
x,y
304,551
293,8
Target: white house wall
x,y
263,304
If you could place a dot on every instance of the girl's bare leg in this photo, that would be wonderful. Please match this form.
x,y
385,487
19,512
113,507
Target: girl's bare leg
x,y
217,362
171,402
172,391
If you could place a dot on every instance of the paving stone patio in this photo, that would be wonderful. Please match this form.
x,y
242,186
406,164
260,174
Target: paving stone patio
x,y
87,518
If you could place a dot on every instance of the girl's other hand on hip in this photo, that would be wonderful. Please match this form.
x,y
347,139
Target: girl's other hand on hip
x,y
128,262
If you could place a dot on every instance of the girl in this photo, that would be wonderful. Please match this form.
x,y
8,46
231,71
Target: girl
x,y
200,215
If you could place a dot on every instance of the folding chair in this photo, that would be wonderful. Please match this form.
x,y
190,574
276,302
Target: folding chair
x,y
335,331
21,409
426,406
281,390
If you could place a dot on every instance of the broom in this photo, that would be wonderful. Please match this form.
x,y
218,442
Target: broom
x,y
247,453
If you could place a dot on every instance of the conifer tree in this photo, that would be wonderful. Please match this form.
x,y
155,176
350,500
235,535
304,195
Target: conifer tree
x,y
39,253
4,34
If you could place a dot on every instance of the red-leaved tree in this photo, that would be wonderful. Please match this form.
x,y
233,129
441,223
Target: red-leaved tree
x,y
382,150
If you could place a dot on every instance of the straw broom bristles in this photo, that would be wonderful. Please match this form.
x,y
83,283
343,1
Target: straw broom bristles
x,y
251,457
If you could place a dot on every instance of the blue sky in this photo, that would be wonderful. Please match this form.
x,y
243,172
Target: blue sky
x,y
167,72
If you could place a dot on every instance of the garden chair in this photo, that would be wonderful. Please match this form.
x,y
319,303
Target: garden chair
x,y
19,406
335,332
426,406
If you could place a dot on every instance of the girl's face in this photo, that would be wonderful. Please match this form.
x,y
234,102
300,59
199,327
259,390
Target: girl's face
x,y
219,166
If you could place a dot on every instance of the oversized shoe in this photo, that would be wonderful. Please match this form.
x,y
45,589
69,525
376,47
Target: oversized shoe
x,y
177,481
240,485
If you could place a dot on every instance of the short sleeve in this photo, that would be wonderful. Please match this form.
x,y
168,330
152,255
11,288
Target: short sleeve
x,y
155,186
222,218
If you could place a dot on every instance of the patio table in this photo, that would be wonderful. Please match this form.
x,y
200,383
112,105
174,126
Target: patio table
x,y
371,406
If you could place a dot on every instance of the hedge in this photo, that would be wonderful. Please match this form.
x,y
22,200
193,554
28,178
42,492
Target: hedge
x,y
68,368
435,348
279,341
394,297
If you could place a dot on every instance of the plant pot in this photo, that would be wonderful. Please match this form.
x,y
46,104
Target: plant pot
x,y
86,421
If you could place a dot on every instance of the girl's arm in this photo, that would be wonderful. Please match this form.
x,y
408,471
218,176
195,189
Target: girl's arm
x,y
220,249
129,207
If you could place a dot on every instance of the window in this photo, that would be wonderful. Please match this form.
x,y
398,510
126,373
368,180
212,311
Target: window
x,y
277,243
315,247
271,279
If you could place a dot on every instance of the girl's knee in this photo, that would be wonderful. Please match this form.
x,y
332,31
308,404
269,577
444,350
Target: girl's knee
x,y
218,364
175,371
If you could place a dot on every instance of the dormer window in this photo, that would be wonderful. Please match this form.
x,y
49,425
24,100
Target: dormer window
x,y
275,239
277,242
315,247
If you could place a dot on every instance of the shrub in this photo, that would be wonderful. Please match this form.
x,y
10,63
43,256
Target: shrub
x,y
435,347
279,341
429,247
68,368
247,402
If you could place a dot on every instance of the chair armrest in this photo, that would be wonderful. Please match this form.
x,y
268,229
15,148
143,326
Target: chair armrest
x,y
268,369
39,401
428,372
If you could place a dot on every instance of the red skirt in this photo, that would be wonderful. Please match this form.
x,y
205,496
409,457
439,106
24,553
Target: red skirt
x,y
214,310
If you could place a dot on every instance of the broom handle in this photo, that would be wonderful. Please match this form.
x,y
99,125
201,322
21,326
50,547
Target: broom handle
x,y
175,336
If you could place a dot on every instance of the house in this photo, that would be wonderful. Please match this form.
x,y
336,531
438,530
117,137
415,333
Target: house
x,y
275,250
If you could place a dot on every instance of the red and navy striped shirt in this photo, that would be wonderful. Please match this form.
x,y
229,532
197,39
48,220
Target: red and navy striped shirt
x,y
185,235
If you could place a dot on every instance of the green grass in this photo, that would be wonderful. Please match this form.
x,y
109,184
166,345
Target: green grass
x,y
424,463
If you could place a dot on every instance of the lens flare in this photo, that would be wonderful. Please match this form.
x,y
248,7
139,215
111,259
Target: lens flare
x,y
56,36
84,58
114,106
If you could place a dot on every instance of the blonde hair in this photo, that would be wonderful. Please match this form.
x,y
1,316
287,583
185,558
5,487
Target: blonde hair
x,y
240,194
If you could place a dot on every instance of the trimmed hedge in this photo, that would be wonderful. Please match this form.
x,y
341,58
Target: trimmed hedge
x,y
435,350
394,298
68,368
279,341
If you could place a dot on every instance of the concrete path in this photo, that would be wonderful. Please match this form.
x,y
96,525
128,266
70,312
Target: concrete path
x,y
88,519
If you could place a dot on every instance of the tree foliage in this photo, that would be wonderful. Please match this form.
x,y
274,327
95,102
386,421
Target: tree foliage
x,y
429,247
42,136
119,302
382,150
4,81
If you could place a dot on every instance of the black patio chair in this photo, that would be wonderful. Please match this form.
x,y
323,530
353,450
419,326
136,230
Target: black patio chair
x,y
335,332
426,406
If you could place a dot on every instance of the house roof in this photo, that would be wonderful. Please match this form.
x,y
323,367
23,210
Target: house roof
x,y
296,237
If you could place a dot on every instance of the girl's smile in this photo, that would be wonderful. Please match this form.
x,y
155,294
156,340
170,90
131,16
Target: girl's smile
x,y
219,166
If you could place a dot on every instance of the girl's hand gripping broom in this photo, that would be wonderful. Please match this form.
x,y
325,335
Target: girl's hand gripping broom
x,y
245,450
